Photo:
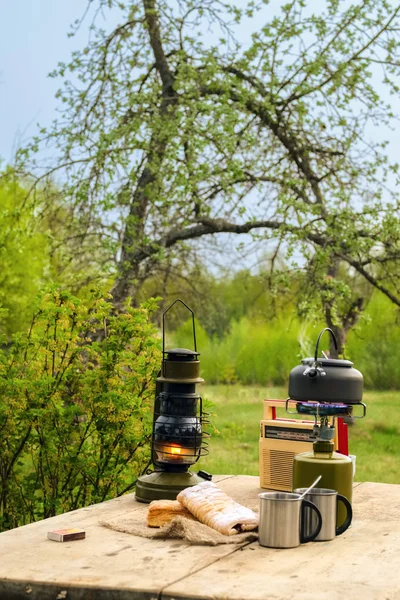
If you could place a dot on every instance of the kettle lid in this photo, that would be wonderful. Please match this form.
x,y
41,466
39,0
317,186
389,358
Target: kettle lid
x,y
328,362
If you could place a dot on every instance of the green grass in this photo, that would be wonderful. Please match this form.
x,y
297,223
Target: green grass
x,y
375,440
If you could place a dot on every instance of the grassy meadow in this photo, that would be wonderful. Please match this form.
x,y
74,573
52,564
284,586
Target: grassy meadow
x,y
237,411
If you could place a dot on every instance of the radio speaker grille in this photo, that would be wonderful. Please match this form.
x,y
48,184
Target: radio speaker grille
x,y
278,469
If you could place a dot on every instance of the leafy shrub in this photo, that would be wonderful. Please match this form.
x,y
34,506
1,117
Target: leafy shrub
x,y
218,357
252,352
76,407
264,352
267,351
23,249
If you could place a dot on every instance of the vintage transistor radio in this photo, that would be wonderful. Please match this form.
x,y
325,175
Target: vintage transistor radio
x,y
280,440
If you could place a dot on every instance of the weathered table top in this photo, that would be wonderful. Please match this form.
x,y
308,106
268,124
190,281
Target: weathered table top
x,y
363,563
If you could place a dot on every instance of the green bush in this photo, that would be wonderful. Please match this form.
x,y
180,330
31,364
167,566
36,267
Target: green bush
x,y
267,351
264,352
76,407
24,253
218,357
252,352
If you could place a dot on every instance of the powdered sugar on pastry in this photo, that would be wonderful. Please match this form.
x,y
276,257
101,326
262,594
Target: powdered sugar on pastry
x,y
216,509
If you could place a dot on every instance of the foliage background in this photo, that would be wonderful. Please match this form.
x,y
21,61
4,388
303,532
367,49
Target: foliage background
x,y
24,254
260,351
76,411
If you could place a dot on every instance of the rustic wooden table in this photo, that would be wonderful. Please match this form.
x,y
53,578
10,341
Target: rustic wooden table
x,y
363,563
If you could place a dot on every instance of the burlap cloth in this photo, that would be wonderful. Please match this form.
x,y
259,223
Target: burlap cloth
x,y
180,528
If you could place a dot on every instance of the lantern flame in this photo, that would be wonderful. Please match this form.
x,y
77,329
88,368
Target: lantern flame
x,y
174,453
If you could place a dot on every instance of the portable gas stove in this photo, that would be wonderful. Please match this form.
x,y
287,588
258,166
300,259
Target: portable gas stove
x,y
325,427
323,391
327,388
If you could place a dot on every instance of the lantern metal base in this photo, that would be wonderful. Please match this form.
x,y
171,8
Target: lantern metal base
x,y
164,485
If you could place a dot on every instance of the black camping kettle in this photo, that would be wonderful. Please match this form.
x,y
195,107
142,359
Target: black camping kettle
x,y
326,379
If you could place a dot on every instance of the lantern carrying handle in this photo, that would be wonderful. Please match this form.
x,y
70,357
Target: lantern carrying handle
x,y
318,340
163,324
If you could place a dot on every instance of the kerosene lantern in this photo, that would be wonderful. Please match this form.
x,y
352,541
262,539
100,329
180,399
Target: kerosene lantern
x,y
178,438
326,388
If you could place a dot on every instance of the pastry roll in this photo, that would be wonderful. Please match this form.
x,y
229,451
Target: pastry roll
x,y
216,509
163,511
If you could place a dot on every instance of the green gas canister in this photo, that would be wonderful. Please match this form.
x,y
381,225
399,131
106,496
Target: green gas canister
x,y
336,471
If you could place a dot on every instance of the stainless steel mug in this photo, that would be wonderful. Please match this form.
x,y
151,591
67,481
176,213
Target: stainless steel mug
x,y
326,500
281,520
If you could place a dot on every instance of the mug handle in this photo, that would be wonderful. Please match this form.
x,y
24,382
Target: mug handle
x,y
309,538
349,515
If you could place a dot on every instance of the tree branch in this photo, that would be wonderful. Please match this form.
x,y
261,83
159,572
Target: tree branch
x,y
206,226
282,132
372,280
156,44
354,57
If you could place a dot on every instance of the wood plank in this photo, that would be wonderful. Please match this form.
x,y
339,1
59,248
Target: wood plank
x,y
377,501
107,563
362,563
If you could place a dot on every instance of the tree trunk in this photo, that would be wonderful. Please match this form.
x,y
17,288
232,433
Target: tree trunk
x,y
129,268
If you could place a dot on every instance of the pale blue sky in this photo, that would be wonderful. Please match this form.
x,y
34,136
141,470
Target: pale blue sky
x,y
33,39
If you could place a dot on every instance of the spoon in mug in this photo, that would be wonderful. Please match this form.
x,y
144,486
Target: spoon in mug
x,y
310,488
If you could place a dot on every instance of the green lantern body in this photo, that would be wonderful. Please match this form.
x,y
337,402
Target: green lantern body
x,y
178,438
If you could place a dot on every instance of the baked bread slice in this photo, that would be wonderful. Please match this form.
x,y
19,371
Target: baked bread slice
x,y
216,509
163,511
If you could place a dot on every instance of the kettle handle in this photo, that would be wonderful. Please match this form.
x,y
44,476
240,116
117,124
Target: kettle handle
x,y
318,340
